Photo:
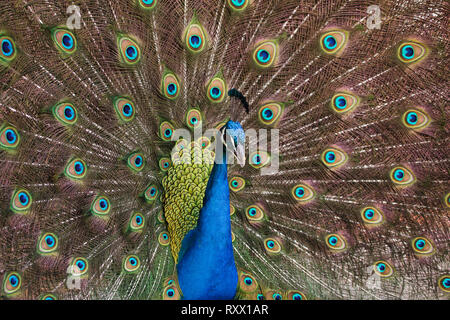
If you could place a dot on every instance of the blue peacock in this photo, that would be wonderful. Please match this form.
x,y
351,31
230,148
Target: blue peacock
x,y
231,149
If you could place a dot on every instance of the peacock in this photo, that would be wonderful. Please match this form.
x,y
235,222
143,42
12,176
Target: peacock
x,y
227,149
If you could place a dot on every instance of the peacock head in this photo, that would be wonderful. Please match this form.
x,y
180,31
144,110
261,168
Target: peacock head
x,y
233,138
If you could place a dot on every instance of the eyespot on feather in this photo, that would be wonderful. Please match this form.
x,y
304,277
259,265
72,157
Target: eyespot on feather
x,y
295,295
193,118
8,51
129,50
136,161
411,52
64,40
170,85
247,283
65,113
372,216
236,184
164,238
9,137
76,169
402,177
270,113
415,119
78,266
302,193
101,206
166,131
195,37
255,214
238,5
151,193
336,242
137,222
47,243
265,54
343,102
444,283
124,108
333,158
171,292
333,42
131,263
216,89
272,245
12,282
422,246
383,269
259,159
147,4
21,201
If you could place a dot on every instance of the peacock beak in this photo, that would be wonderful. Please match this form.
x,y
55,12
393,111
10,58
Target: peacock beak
x,y
240,154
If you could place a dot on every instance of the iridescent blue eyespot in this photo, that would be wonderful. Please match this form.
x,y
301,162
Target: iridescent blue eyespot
x,y
381,267
256,159
297,296
167,133
330,156
172,88
133,261
23,198
238,3
67,41
235,183
138,220
248,281
446,283
69,113
407,52
14,281
11,136
7,47
420,244
138,161
369,214
195,41
263,56
300,192
252,212
267,114
215,92
411,118
127,109
260,296
399,174
165,236
170,292
50,241
103,204
276,296
330,42
340,102
333,241
79,167
131,52
81,265
147,1
270,244
194,120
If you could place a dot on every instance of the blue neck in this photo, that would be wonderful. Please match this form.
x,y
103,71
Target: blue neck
x,y
206,267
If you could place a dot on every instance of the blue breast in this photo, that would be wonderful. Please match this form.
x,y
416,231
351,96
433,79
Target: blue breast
x,y
206,268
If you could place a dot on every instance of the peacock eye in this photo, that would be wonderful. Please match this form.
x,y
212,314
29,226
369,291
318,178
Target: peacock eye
x,y
372,216
259,159
265,53
216,89
195,38
136,161
101,206
334,158
129,51
8,49
238,5
137,222
302,193
422,246
164,164
383,269
269,114
75,169
79,266
48,243
48,297
402,176
236,184
21,201
411,52
295,295
9,137
147,4
335,242
65,113
444,283
65,40
193,118
166,131
170,85
164,238
12,282
342,102
277,296
131,263
272,246
333,42
150,193
171,293
415,119
247,283
255,214
124,108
